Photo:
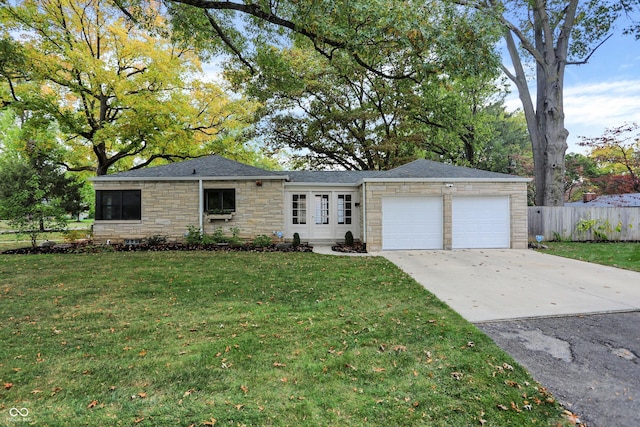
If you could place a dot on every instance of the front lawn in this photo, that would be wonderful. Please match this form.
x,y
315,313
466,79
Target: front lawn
x,y
215,338
622,255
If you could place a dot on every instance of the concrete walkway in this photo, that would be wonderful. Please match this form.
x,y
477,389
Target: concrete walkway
x,y
494,284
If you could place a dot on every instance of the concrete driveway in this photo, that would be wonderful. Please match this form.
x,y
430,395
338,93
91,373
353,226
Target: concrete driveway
x,y
539,308
495,284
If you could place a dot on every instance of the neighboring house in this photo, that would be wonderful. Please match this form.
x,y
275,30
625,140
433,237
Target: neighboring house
x,y
421,205
608,200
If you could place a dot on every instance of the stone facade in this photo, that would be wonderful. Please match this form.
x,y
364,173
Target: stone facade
x,y
169,208
376,191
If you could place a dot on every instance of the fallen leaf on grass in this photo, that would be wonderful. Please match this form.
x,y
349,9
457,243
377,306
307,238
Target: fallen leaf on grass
x,y
210,423
244,389
504,408
379,369
138,420
92,404
573,418
7,386
143,353
143,395
279,365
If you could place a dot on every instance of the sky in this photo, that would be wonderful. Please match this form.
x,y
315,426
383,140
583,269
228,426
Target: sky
x,y
601,94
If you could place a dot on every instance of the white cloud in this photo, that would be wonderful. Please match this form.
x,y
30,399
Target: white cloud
x,y
590,108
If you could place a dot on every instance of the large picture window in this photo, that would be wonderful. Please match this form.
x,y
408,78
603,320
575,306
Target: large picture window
x,y
118,205
220,201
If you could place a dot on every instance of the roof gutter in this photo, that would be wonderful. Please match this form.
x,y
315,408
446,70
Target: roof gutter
x,y
515,179
189,178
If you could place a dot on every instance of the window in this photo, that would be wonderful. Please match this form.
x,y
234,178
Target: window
x,y
322,209
344,208
299,207
118,205
220,201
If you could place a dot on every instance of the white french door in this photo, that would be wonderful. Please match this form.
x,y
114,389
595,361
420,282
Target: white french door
x,y
322,215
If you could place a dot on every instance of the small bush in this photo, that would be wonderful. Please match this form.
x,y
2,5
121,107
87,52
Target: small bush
x,y
194,235
296,240
74,235
262,241
156,240
348,238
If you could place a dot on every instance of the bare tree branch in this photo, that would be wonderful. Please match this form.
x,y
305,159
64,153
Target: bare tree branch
x,y
228,41
586,60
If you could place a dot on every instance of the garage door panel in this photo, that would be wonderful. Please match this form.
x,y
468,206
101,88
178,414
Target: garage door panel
x,y
481,222
411,223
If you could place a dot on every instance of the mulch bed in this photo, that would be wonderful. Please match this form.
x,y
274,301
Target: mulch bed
x,y
356,248
70,248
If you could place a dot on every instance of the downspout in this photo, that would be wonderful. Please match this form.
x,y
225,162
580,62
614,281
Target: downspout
x,y
201,205
364,213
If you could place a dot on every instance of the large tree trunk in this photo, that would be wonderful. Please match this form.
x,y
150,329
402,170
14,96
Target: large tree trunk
x,y
546,121
550,145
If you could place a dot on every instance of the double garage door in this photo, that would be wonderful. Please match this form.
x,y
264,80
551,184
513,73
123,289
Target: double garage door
x,y
418,222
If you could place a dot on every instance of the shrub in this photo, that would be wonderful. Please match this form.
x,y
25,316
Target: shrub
x,y
77,234
262,241
348,238
156,240
194,235
235,236
296,240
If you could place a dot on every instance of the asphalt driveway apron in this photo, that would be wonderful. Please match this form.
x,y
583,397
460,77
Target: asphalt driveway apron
x,y
574,325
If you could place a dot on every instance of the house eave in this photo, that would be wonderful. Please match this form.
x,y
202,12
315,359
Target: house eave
x,y
189,178
452,180
322,184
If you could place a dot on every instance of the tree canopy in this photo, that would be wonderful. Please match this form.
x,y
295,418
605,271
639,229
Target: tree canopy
x,y
548,35
123,95
617,154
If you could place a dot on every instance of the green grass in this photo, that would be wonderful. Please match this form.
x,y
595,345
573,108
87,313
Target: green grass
x,y
621,255
291,339
9,240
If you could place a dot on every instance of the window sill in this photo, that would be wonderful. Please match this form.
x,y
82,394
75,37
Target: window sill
x,y
219,217
114,221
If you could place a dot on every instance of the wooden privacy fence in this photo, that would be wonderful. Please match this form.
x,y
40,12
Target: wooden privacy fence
x,y
578,223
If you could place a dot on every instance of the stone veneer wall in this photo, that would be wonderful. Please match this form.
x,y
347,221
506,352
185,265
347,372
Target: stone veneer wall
x,y
517,192
170,207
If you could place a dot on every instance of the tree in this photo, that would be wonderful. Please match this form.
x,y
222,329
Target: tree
x,y
507,148
617,154
339,115
581,170
35,197
551,34
123,96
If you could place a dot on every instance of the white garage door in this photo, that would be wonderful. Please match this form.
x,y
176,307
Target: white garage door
x,y
481,222
411,223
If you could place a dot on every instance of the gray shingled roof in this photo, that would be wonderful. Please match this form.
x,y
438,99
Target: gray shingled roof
x,y
220,167
611,200
210,166
429,169
332,177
